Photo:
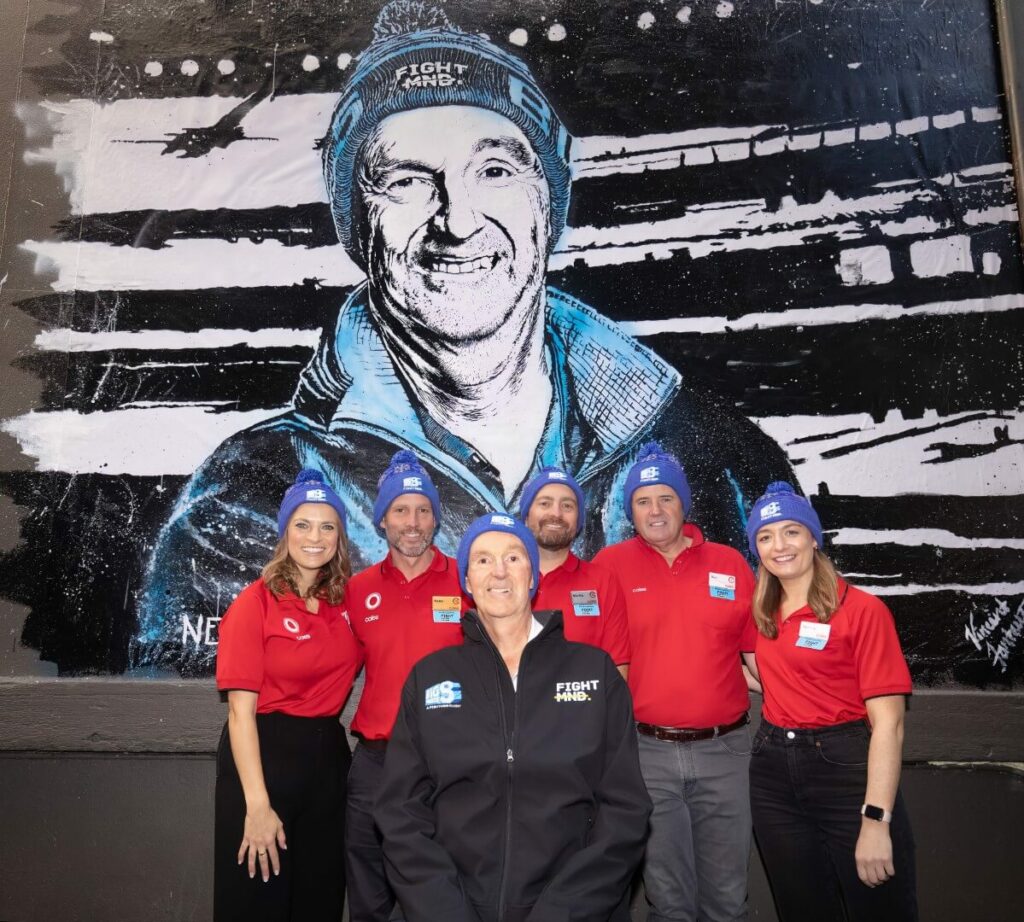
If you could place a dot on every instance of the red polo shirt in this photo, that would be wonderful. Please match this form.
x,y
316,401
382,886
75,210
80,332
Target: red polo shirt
x,y
592,606
298,662
825,681
688,623
398,622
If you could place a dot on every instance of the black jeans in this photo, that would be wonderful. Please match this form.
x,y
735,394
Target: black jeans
x,y
305,766
806,791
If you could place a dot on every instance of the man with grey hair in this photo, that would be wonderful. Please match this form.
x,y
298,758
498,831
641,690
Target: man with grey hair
x,y
448,175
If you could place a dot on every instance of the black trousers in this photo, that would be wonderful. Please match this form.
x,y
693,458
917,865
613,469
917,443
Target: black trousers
x,y
305,766
370,899
806,791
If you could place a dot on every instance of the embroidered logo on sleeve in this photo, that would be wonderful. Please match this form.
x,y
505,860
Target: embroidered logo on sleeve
x,y
575,691
443,695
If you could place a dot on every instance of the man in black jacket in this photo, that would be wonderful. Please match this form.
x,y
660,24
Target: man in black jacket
x,y
512,788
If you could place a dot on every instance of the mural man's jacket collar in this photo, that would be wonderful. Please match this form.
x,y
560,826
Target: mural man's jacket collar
x,y
607,389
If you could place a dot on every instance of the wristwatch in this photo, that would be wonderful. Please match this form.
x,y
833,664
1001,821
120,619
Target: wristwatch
x,y
876,813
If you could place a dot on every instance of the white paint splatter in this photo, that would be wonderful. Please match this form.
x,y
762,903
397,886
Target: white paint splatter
x,y
556,32
809,141
871,265
153,69
874,132
918,225
226,66
101,37
996,214
969,589
916,537
991,263
147,441
66,340
941,257
912,125
518,37
822,316
645,20
854,65
986,113
839,136
310,63
344,60
724,9
684,15
949,119
189,67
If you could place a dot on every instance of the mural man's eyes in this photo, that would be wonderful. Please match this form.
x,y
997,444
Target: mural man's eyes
x,y
496,171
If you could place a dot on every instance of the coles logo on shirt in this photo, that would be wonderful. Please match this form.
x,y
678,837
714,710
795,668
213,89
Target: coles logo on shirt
x,y
372,601
292,626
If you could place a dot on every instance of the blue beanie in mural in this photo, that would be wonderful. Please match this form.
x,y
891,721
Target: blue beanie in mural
x,y
309,487
404,474
549,475
503,522
419,59
656,466
782,503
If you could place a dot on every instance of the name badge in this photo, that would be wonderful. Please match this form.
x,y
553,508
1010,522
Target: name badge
x,y
722,586
813,635
585,604
447,609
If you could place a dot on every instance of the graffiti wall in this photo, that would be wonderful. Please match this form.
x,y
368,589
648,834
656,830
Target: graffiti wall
x,y
779,236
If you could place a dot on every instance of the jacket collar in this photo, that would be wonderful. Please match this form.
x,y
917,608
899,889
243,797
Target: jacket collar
x,y
351,383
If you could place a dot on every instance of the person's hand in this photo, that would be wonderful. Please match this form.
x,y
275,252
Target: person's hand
x,y
874,853
264,833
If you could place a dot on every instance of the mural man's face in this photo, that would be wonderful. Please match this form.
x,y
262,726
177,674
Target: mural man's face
x,y
409,524
554,517
457,210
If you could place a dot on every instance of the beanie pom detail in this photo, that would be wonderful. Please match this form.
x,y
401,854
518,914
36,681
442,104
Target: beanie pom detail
x,y
310,475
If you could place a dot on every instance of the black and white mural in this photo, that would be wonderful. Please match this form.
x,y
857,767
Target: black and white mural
x,y
780,236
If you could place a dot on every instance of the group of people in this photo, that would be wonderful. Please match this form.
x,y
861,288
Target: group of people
x,y
535,727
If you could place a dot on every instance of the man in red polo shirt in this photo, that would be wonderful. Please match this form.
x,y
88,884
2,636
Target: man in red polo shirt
x,y
589,596
688,604
408,605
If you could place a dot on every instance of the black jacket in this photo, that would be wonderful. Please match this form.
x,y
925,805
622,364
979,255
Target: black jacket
x,y
498,806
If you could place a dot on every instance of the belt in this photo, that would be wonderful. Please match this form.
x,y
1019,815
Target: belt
x,y
373,745
687,735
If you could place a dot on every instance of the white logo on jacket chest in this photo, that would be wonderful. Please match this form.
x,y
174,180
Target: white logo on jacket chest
x,y
576,691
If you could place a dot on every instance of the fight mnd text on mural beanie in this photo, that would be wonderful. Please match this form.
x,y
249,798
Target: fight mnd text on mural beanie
x,y
404,475
418,59
656,466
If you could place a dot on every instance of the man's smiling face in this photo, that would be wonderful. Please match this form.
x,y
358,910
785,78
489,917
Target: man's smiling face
x,y
457,212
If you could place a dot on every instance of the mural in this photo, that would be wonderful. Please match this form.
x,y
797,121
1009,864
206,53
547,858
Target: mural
x,y
781,237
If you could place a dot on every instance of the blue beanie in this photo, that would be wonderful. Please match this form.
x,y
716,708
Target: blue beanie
x,y
404,474
553,475
309,487
782,503
655,466
503,522
418,59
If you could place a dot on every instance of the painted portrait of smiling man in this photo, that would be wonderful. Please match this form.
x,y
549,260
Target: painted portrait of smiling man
x,y
448,174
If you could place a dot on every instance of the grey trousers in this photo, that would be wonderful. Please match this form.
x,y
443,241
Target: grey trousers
x,y
695,866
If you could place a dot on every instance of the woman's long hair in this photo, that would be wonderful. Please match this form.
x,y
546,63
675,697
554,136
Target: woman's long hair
x,y
822,597
282,576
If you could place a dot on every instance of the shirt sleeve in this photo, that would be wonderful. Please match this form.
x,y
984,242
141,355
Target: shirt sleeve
x,y
615,626
881,667
240,643
745,598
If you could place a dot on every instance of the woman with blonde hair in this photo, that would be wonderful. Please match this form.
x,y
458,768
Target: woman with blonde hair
x,y
286,658
830,823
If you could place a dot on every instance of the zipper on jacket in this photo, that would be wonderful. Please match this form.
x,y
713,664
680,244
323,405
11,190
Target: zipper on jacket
x,y
510,759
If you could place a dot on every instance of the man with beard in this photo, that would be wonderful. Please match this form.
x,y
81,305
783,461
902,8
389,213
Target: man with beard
x,y
588,596
448,175
408,605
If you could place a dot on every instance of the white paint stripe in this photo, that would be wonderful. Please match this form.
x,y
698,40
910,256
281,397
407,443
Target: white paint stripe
x,y
976,465
65,340
94,148
1001,589
823,316
917,537
145,441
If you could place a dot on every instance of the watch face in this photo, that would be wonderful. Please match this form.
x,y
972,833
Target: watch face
x,y
873,813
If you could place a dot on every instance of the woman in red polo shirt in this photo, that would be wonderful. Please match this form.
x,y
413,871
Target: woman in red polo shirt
x,y
286,658
824,774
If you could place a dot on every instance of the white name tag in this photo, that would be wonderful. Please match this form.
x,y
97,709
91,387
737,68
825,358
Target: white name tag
x,y
813,635
721,585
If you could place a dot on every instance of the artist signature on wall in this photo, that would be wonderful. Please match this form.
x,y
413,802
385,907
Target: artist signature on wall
x,y
998,635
